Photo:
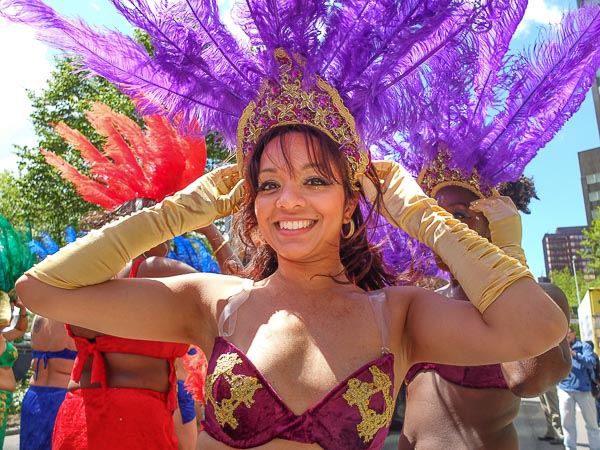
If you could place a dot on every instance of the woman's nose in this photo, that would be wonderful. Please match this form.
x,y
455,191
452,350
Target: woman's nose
x,y
290,196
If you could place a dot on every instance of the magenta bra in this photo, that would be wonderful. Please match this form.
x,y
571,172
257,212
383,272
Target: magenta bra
x,y
478,377
244,411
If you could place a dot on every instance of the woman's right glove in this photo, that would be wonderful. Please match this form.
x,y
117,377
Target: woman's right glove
x,y
482,269
101,253
505,224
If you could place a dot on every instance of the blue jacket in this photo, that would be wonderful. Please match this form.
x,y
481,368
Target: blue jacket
x,y
583,364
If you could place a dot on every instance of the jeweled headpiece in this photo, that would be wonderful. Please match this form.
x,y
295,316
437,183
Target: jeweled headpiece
x,y
352,69
287,102
439,174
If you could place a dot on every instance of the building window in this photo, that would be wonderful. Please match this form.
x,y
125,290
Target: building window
x,y
593,178
594,196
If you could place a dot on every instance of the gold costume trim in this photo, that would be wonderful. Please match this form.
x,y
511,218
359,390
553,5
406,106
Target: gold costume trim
x,y
242,389
359,394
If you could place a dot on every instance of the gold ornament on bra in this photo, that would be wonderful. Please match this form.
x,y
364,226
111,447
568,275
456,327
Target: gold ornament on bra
x,y
359,394
287,101
242,389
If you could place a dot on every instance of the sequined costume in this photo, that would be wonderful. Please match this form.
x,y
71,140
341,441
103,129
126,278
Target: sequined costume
x,y
244,411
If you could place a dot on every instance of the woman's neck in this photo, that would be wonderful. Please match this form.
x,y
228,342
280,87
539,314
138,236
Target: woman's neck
x,y
310,276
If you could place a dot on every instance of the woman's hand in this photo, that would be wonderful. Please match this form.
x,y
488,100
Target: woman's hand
x,y
505,224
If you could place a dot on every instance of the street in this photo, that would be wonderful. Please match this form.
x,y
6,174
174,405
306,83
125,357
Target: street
x,y
530,424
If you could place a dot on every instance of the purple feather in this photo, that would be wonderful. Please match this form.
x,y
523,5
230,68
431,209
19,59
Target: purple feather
x,y
547,86
512,105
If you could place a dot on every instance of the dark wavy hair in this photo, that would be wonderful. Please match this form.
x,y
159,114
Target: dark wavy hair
x,y
521,192
363,262
94,220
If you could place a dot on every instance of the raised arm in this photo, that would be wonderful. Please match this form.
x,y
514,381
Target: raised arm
x,y
20,327
505,328
534,376
71,286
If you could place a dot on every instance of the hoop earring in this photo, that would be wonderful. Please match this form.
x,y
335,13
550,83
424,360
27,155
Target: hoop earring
x,y
350,232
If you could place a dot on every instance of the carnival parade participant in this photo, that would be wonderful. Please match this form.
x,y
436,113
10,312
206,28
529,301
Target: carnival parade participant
x,y
309,348
474,407
116,381
466,144
53,352
15,259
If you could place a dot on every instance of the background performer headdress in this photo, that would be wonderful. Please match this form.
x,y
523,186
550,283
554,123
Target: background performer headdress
x,y
152,163
352,69
480,131
15,259
482,134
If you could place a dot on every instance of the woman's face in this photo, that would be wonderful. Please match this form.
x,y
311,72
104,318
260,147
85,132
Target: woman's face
x,y
299,210
457,201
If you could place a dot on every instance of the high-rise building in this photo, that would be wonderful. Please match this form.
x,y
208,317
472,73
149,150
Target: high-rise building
x,y
561,247
596,87
589,167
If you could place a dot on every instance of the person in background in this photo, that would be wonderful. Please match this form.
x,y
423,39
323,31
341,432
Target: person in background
x,y
53,352
575,389
549,403
475,407
9,354
15,258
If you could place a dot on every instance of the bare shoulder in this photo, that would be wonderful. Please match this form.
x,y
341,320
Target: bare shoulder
x,y
556,294
156,266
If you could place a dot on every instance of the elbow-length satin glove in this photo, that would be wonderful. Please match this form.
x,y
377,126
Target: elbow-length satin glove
x,y
482,269
101,253
505,225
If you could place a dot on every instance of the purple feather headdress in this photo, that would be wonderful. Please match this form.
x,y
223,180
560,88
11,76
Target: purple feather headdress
x,y
361,62
481,134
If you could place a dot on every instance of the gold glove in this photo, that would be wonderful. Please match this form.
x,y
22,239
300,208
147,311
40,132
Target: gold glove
x,y
505,224
5,310
482,269
102,253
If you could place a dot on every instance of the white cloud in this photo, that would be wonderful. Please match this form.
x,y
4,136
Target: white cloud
x,y
25,67
539,12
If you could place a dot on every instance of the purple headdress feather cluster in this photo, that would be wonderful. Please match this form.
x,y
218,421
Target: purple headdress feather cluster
x,y
375,53
514,107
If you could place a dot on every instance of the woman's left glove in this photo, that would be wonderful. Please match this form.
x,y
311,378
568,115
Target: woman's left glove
x,y
505,224
482,269
101,253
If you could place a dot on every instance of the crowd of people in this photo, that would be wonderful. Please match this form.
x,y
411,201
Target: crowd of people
x,y
361,117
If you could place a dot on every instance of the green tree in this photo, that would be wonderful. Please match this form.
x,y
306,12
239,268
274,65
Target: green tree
x,y
49,203
564,280
10,198
38,195
591,244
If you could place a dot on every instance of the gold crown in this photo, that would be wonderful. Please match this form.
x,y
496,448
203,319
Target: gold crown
x,y
439,174
286,102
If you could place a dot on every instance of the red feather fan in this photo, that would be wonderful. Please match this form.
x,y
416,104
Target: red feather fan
x,y
154,162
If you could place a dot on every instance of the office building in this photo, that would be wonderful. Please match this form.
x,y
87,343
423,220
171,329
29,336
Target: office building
x,y
561,247
589,167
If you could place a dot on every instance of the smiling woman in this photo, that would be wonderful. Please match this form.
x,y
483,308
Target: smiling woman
x,y
309,347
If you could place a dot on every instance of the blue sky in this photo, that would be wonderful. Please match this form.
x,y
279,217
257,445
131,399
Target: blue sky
x,y
555,169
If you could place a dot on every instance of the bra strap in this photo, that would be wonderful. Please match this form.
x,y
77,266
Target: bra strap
x,y
377,300
228,317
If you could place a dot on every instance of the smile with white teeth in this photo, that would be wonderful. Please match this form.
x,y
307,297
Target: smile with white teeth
x,y
295,224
